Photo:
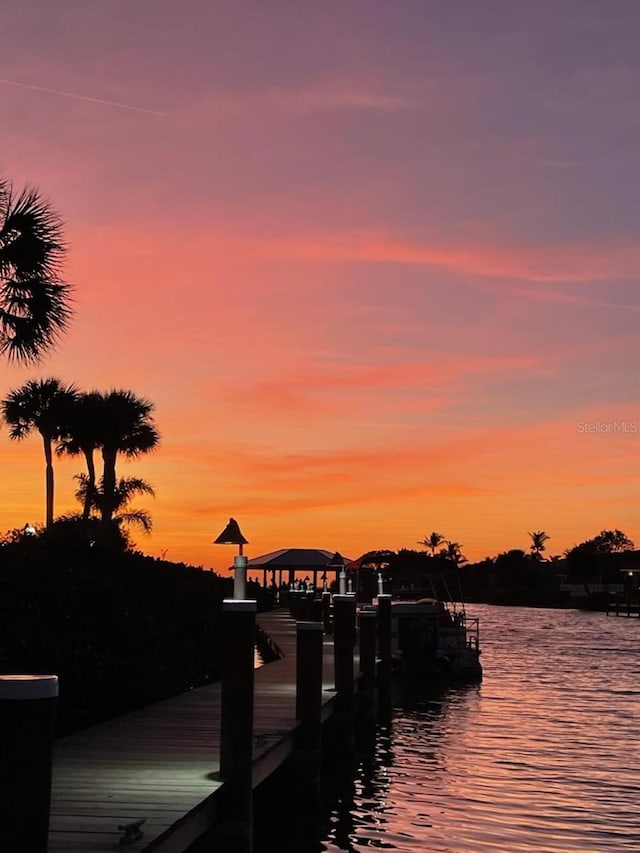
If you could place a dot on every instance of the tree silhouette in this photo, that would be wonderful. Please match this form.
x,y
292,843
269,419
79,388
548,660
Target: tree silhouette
x,y
453,553
83,436
42,405
433,540
34,302
538,538
126,489
591,560
127,428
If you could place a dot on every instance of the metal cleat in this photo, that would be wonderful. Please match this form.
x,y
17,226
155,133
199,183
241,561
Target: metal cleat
x,y
132,831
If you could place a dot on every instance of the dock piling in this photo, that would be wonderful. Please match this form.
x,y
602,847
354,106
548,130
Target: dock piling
x,y
309,685
344,613
27,728
236,724
326,612
384,631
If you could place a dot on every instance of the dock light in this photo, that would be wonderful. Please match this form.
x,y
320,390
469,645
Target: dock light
x,y
338,563
232,535
380,584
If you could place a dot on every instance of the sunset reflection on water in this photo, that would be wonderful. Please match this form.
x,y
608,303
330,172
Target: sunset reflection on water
x,y
543,756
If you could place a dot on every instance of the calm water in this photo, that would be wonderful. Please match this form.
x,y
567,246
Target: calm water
x,y
543,756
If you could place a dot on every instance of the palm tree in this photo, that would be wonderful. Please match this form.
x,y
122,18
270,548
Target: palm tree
x,y
538,538
126,489
34,302
453,553
128,428
433,540
41,405
82,436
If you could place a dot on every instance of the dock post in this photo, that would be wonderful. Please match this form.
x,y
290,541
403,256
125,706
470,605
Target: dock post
x,y
298,597
384,632
367,642
316,610
368,661
309,598
27,728
236,724
309,683
326,612
344,614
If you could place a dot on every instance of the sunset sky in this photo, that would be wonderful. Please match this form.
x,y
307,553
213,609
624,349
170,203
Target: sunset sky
x,y
376,262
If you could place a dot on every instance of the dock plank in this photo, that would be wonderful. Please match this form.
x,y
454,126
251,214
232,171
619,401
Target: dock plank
x,y
161,762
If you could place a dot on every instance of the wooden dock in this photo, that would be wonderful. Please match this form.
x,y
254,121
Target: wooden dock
x,y
161,762
626,606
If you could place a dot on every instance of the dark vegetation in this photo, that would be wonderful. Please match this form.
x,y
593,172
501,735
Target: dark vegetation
x,y
512,577
120,629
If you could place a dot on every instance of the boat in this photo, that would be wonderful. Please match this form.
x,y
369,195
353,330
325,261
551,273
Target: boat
x,y
435,639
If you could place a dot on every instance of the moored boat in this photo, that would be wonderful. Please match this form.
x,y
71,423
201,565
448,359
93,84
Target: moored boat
x,y
429,637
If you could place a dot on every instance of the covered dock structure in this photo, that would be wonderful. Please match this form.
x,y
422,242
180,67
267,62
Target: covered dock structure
x,y
320,567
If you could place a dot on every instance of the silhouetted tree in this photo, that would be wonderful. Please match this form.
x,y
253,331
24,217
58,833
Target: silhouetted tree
x,y
41,405
83,434
538,538
512,570
613,542
127,488
34,301
453,553
433,540
591,560
128,428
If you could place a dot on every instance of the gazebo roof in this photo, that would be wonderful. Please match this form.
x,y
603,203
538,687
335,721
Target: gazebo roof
x,y
294,558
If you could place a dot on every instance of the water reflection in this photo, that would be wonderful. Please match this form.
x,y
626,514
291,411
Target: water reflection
x,y
543,756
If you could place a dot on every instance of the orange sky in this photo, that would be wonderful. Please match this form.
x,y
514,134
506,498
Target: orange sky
x,y
376,265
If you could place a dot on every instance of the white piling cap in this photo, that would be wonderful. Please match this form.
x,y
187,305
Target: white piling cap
x,y
28,686
239,604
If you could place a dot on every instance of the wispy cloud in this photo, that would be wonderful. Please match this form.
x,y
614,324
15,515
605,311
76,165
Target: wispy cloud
x,y
560,263
495,258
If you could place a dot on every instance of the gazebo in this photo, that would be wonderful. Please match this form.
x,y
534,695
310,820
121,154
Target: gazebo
x,y
292,560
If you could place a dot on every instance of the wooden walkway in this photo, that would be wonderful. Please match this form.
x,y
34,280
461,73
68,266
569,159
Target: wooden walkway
x,y
160,762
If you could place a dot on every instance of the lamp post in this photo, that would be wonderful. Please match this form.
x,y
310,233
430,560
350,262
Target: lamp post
x,y
232,535
337,563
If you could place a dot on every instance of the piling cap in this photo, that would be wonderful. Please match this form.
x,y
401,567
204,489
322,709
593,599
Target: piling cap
x,y
22,687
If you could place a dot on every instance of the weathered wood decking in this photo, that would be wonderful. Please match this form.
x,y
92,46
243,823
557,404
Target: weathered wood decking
x,y
160,762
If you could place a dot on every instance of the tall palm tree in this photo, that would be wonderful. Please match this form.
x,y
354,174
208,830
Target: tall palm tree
x,y
82,436
42,405
128,428
538,538
34,302
433,540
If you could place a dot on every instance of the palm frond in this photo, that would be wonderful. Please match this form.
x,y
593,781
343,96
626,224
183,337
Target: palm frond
x,y
31,234
35,304
138,517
